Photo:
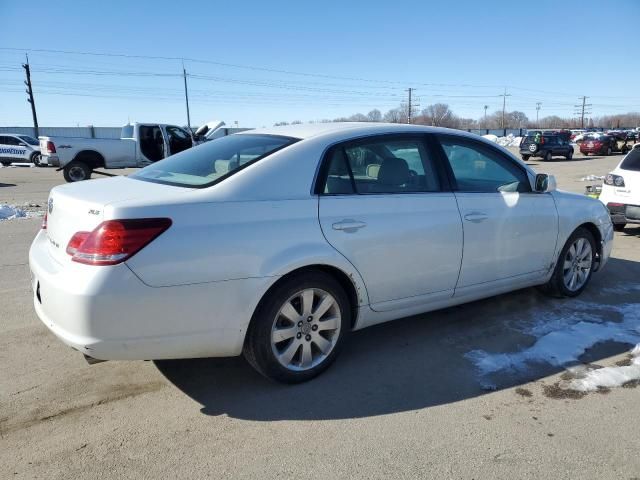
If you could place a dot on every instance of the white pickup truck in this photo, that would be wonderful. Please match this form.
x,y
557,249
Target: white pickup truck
x,y
140,144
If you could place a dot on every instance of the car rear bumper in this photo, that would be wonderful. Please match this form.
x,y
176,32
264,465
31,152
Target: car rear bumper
x,y
52,160
622,205
623,213
108,313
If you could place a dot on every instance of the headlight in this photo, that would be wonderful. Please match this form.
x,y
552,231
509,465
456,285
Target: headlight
x,y
616,180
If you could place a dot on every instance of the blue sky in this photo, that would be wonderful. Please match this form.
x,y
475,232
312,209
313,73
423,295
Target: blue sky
x,y
358,56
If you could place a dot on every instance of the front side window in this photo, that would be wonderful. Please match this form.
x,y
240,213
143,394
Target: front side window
x,y
29,140
381,166
478,168
213,161
179,140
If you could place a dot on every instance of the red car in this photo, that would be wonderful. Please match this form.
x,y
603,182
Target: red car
x,y
602,144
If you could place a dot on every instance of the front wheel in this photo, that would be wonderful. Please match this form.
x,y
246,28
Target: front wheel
x,y
548,156
298,328
569,155
76,171
5,164
575,265
619,227
526,157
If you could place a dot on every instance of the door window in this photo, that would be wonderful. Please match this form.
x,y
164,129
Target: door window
x,y
392,165
151,142
478,168
179,140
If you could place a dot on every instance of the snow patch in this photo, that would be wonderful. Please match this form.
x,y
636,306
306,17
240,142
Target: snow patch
x,y
11,212
563,338
508,141
491,138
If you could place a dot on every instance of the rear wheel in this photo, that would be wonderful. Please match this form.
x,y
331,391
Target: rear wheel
x,y
6,164
548,156
609,151
619,227
298,328
526,157
35,159
575,265
76,171
569,155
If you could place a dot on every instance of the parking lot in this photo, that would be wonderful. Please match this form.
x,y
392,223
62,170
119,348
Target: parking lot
x,y
429,396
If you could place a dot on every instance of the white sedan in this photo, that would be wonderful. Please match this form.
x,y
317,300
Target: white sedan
x,y
277,243
621,190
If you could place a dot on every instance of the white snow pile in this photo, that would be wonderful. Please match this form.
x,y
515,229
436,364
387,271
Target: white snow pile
x,y
563,338
509,141
9,212
18,164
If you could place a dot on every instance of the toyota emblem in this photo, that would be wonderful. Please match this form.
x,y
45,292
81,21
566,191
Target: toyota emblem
x,y
50,205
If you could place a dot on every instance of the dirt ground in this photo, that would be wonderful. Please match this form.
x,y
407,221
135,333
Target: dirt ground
x,y
403,400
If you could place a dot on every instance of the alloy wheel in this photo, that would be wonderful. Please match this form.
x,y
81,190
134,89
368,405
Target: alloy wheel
x,y
306,329
577,264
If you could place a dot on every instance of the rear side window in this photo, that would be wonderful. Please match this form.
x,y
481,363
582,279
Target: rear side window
x,y
632,160
392,165
213,161
478,168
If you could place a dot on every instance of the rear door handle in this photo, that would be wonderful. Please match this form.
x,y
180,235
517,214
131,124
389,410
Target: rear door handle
x,y
348,225
476,217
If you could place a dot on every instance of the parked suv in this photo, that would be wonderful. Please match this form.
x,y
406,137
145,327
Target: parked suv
x,y
546,145
599,145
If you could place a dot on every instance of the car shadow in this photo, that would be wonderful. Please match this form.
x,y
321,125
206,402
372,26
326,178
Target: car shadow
x,y
7,184
412,363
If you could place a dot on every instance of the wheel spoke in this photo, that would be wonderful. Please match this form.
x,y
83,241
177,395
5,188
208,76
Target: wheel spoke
x,y
282,334
289,352
323,344
585,264
586,252
572,252
307,302
326,303
329,324
567,277
567,265
572,283
290,313
307,358
579,247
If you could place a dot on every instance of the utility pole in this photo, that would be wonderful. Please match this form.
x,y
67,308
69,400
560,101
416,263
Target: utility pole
x,y
410,106
27,69
186,98
504,104
485,115
582,109
538,106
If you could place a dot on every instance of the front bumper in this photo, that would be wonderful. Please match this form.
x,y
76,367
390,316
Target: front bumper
x,y
109,314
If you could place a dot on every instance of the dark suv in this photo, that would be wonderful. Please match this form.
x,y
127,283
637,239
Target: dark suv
x,y
546,145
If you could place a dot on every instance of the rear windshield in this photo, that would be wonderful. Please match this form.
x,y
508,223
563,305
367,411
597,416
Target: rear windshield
x,y
213,161
632,160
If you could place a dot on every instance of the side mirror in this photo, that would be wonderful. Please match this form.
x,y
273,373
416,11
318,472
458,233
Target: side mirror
x,y
545,183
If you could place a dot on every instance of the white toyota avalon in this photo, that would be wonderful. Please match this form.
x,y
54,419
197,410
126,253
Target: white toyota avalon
x,y
277,243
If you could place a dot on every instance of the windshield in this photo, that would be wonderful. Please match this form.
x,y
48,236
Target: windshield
x,y
213,161
632,161
28,139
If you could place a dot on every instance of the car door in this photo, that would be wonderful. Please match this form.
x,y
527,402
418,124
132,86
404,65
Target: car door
x,y
385,206
178,140
509,230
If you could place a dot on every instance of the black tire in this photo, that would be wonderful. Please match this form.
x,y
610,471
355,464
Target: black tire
x,y
619,227
586,154
608,151
76,171
35,159
569,156
624,150
555,286
548,156
526,157
258,349
6,164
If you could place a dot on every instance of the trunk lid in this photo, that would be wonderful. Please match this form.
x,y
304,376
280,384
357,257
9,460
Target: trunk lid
x,y
80,206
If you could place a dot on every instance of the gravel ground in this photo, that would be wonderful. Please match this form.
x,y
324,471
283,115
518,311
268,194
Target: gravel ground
x,y
402,401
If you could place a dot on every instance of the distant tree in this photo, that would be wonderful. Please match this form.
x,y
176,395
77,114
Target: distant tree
x,y
296,122
280,124
517,119
358,117
439,114
374,115
395,115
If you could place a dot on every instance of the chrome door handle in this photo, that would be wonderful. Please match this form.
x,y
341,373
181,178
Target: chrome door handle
x,y
348,225
476,217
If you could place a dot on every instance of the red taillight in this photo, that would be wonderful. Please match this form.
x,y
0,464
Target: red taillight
x,y
541,140
115,241
51,148
44,222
